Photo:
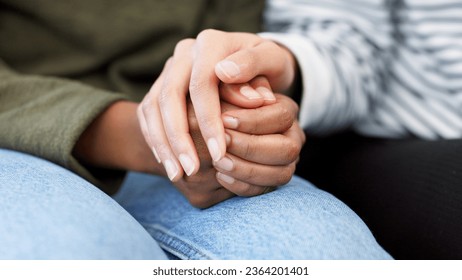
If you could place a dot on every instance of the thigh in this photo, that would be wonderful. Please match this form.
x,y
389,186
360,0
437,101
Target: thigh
x,y
409,192
47,212
297,221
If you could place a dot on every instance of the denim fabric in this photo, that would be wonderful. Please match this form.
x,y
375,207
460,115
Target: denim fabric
x,y
297,221
47,212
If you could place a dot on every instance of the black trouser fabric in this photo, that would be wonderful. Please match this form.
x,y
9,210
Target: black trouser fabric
x,y
409,192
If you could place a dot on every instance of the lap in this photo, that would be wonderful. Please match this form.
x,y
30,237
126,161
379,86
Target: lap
x,y
297,221
50,213
47,212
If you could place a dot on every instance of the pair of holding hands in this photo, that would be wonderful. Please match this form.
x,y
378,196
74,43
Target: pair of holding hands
x,y
213,122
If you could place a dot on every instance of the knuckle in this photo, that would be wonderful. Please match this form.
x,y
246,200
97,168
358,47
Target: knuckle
x,y
197,86
208,34
271,45
249,174
244,189
168,62
145,107
250,55
177,141
168,89
163,97
286,118
183,45
292,151
286,174
292,105
275,49
161,147
254,123
295,108
206,122
249,148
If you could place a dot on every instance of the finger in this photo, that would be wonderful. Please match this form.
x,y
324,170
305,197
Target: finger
x,y
262,86
296,129
204,92
145,132
254,173
270,119
241,95
172,104
270,149
155,131
203,198
248,95
241,188
246,64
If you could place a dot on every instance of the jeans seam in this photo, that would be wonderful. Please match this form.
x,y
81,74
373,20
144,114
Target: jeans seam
x,y
167,241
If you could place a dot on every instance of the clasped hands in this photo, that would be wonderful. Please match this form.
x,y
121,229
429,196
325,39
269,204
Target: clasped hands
x,y
213,122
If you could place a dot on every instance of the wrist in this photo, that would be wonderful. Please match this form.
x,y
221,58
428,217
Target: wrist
x,y
114,141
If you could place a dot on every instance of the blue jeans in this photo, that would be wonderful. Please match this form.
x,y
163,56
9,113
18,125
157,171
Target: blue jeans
x,y
47,212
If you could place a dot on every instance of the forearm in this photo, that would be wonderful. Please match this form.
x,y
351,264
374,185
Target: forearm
x,y
114,141
45,116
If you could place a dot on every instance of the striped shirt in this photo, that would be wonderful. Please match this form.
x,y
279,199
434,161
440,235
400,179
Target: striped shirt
x,y
382,68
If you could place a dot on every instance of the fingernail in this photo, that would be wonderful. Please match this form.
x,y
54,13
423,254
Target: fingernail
x,y
250,93
225,164
229,69
230,122
214,149
225,178
266,93
171,169
228,139
187,163
156,155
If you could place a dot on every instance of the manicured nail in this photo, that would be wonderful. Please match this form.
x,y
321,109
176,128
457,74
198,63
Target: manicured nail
x,y
156,155
228,139
230,122
187,163
266,93
225,164
250,93
229,69
214,149
225,178
171,169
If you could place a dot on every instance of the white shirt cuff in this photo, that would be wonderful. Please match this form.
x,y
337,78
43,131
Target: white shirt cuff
x,y
317,81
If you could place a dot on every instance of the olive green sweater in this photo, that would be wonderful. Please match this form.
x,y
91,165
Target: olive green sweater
x,y
63,62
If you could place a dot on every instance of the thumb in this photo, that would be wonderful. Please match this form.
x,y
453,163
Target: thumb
x,y
265,59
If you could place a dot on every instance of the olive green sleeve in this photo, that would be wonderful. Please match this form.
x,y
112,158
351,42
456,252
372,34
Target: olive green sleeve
x,y
45,116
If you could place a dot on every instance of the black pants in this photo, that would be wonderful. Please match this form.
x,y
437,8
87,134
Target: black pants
x,y
409,192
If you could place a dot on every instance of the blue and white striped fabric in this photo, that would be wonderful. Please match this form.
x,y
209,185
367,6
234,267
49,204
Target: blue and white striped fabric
x,y
383,68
